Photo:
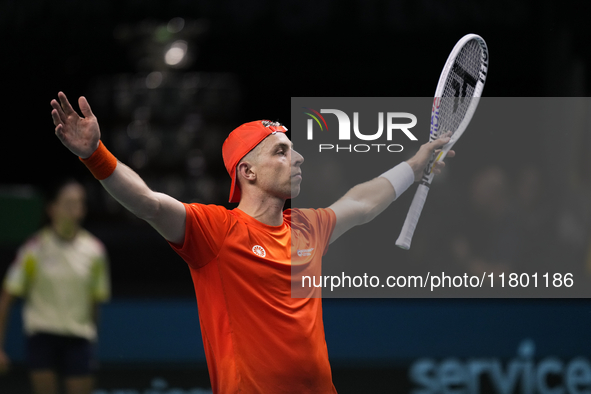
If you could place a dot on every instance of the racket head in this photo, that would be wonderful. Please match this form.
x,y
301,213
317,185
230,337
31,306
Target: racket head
x,y
456,98
458,93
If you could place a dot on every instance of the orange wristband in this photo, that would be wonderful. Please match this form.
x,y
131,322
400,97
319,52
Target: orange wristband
x,y
101,163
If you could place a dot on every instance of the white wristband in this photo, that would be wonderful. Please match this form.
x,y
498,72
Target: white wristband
x,y
401,177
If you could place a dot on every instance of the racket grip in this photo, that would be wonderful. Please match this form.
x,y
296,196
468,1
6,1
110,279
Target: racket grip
x,y
412,217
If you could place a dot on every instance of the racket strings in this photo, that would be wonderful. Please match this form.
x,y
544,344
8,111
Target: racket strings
x,y
459,87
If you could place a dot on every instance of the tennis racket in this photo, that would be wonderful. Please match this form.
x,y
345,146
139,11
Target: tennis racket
x,y
456,98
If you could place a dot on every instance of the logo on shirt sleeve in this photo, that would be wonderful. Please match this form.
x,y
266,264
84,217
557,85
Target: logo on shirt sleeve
x,y
259,251
305,252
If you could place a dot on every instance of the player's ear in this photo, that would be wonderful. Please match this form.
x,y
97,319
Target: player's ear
x,y
245,171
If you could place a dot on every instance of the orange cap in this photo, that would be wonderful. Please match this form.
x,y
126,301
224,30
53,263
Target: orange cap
x,y
242,140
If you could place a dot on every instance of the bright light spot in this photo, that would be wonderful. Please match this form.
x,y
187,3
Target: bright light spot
x,y
176,53
153,80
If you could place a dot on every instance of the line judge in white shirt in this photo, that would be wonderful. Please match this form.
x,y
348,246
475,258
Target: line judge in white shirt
x,y
61,273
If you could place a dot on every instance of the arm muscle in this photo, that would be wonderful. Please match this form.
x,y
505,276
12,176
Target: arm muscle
x,y
166,214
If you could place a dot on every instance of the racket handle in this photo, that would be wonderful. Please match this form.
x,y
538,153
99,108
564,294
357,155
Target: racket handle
x,y
412,217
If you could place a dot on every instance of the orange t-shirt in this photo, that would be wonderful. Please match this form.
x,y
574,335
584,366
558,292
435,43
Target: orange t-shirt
x,y
257,338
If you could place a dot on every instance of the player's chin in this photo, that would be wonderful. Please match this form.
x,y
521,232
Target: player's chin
x,y
295,190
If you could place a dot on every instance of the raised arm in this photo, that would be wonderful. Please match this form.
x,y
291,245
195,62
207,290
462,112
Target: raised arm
x,y
81,135
367,200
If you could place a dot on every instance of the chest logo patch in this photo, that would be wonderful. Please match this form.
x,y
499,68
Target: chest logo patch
x,y
259,251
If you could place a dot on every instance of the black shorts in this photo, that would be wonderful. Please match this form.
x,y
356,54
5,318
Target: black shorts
x,y
67,355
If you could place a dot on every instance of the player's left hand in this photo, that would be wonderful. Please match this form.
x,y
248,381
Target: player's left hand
x,y
420,160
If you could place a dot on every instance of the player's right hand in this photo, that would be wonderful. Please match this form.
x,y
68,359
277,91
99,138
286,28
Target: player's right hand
x,y
80,135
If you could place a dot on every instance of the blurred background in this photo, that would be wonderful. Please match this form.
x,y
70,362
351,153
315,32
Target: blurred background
x,y
169,80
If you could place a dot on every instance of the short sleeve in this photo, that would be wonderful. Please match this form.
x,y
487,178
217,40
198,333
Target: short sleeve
x,y
205,232
323,222
20,273
101,280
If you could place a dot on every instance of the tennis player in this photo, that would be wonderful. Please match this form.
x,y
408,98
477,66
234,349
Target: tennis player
x,y
257,338
61,273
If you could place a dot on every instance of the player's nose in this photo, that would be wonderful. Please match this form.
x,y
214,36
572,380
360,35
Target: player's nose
x,y
296,158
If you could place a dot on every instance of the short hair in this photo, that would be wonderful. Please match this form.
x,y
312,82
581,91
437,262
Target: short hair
x,y
254,152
